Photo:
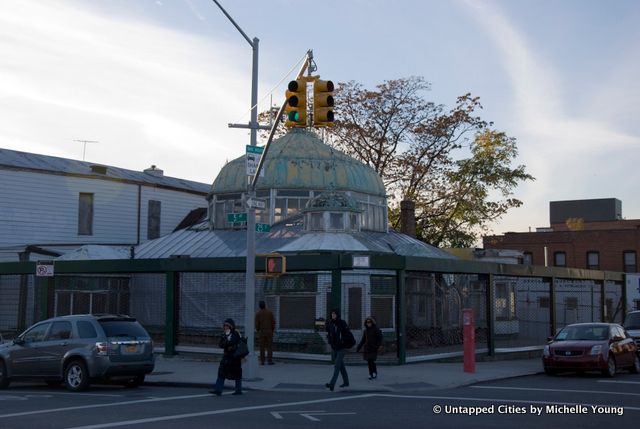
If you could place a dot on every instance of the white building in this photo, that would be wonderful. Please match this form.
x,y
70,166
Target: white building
x,y
50,206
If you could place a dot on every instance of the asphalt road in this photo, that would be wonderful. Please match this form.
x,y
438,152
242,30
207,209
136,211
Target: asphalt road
x,y
526,402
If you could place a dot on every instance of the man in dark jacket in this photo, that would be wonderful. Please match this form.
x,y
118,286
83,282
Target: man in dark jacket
x,y
265,325
336,331
230,366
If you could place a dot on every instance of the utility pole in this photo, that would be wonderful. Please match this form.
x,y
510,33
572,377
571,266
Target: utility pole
x,y
84,148
251,368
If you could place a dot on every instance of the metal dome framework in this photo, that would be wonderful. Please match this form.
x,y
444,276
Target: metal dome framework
x,y
298,168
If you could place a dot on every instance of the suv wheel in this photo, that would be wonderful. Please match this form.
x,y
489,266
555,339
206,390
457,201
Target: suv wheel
x,y
135,381
635,368
4,378
76,376
611,367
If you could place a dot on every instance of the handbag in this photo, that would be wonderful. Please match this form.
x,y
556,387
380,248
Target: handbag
x,y
242,349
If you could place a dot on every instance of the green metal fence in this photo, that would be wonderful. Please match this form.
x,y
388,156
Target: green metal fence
x,y
417,302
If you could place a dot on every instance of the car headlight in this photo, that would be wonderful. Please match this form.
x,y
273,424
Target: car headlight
x,y
596,350
546,352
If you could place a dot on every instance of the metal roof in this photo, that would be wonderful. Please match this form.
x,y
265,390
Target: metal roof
x,y
300,160
200,242
54,165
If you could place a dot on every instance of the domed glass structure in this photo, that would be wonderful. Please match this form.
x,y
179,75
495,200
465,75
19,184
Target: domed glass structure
x,y
298,168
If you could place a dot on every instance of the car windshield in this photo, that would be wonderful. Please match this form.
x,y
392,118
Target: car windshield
x,y
583,333
632,321
123,329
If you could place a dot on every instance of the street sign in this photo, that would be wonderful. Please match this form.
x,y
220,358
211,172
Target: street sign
x,y
256,204
44,269
252,159
236,217
263,227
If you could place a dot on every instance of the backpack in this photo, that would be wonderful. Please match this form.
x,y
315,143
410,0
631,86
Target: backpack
x,y
242,350
348,340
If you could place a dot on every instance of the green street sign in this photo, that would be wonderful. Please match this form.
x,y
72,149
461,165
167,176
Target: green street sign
x,y
263,227
236,217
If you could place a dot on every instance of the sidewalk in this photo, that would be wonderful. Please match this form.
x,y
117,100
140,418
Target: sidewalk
x,y
300,376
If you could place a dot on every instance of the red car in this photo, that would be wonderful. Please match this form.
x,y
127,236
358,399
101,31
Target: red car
x,y
603,347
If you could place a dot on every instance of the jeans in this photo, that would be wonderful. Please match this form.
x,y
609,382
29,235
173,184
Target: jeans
x,y
220,385
338,357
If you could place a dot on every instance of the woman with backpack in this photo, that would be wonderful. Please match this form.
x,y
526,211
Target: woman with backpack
x,y
339,337
370,343
230,366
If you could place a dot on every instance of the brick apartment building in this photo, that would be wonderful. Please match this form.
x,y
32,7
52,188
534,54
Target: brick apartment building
x,y
582,234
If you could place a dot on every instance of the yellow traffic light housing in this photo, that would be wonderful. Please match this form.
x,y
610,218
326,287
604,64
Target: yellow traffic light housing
x,y
323,103
296,108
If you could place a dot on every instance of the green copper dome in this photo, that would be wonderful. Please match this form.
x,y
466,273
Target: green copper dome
x,y
300,160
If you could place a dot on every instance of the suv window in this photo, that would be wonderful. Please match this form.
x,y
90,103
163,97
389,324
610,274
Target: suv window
x,y
36,333
86,329
123,328
60,331
632,321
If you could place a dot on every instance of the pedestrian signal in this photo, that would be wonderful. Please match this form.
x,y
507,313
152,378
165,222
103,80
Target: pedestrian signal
x,y
275,265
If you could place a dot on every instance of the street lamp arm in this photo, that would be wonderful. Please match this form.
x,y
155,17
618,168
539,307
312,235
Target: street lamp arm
x,y
252,43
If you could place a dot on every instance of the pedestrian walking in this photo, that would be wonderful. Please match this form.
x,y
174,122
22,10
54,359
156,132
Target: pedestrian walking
x,y
337,333
230,366
265,326
370,344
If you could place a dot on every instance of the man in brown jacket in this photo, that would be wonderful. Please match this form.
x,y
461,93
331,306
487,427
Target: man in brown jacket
x,y
265,325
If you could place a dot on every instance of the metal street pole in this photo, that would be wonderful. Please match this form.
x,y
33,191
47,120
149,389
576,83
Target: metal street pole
x,y
251,367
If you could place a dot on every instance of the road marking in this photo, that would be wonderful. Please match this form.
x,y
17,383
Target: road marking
x,y
278,414
223,411
619,381
306,414
112,404
555,390
320,413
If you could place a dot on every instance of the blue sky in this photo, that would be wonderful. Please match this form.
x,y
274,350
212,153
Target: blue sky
x,y
157,81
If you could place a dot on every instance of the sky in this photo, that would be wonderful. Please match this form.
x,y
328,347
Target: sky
x,y
156,82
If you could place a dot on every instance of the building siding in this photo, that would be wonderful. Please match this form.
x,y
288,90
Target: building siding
x,y
42,209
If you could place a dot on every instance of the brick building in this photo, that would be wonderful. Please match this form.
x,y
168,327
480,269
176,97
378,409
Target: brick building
x,y
582,234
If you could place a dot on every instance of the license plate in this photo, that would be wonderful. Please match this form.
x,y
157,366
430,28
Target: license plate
x,y
131,349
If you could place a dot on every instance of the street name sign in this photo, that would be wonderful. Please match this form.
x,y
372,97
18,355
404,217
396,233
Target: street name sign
x,y
236,217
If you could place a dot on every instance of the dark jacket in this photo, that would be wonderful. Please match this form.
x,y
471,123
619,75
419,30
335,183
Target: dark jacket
x,y
230,366
336,330
370,342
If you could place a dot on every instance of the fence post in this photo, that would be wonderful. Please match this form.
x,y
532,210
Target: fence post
x,y
491,324
402,316
603,301
552,305
336,291
172,279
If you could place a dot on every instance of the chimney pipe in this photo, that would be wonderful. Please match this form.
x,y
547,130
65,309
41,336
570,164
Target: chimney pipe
x,y
408,217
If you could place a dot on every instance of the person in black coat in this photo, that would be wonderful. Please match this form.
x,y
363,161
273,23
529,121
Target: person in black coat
x,y
336,331
230,366
370,343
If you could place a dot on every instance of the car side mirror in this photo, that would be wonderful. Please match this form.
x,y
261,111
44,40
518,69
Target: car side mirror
x,y
617,338
18,341
549,338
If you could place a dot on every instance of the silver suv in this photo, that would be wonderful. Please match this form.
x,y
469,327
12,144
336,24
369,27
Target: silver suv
x,y
632,325
79,349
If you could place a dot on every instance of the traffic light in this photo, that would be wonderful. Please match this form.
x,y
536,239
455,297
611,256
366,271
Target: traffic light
x,y
275,265
296,104
323,103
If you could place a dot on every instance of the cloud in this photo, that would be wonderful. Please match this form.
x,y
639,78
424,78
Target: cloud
x,y
560,150
148,94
